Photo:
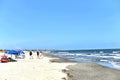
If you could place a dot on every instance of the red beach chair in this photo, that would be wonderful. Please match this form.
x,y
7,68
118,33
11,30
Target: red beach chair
x,y
4,59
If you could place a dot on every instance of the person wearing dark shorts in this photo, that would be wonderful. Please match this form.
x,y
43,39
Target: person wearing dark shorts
x,y
30,55
38,54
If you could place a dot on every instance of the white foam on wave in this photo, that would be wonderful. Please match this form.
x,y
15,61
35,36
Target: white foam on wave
x,y
80,54
106,56
104,60
116,57
115,65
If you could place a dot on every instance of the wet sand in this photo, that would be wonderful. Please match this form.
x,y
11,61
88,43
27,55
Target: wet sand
x,y
89,71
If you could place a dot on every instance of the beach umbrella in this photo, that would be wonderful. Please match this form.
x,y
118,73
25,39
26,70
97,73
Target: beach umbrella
x,y
12,52
20,52
15,52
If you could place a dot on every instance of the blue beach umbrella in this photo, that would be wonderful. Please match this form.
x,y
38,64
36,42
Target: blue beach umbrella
x,y
20,52
14,52
11,52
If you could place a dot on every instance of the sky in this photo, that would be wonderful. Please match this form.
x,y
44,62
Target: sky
x,y
59,24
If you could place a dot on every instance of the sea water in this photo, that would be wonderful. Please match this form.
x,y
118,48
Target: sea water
x,y
111,60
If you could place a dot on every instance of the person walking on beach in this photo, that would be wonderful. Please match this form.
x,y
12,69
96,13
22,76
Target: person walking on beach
x,y
41,55
38,54
31,57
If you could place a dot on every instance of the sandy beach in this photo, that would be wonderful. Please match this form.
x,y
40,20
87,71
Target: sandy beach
x,y
33,69
54,68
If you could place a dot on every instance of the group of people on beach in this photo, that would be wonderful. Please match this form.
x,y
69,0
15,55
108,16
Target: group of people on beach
x,y
39,54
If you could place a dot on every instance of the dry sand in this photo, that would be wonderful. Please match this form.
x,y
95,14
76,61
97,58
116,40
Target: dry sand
x,y
33,69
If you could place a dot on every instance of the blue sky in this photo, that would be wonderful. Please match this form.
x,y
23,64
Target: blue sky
x,y
59,24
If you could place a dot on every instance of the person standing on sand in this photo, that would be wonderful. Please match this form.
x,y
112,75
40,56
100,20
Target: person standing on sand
x,y
38,54
41,56
31,57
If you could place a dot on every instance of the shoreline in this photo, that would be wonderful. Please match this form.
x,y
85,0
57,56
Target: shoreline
x,y
89,71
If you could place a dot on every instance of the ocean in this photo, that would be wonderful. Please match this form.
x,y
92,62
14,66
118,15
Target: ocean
x,y
111,60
